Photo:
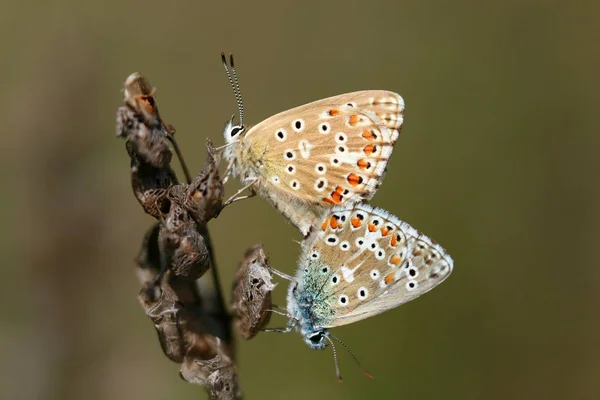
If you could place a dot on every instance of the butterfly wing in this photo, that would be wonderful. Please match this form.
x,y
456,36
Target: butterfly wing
x,y
374,262
330,151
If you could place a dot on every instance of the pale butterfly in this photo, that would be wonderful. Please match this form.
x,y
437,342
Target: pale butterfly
x,y
357,262
305,160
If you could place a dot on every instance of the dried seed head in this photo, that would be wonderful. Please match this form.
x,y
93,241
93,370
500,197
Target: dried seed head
x,y
183,247
217,374
205,194
139,96
252,293
160,302
149,142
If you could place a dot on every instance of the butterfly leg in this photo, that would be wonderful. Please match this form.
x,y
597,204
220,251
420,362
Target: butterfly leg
x,y
227,170
282,274
279,330
285,314
237,197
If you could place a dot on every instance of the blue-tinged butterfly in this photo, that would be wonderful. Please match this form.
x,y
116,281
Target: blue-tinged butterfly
x,y
357,262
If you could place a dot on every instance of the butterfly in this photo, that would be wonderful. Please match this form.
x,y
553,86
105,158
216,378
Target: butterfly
x,y
357,262
308,159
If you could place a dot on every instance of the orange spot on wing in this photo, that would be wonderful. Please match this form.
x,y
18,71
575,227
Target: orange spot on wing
x,y
367,134
385,231
363,164
394,240
354,179
389,278
356,222
353,120
372,228
395,260
325,223
336,197
333,112
369,149
334,223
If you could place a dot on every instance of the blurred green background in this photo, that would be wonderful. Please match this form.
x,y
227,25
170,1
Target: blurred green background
x,y
498,161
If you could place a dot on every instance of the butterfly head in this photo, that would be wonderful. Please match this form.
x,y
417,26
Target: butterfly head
x,y
233,132
315,339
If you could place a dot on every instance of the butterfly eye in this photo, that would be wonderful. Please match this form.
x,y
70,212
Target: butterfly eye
x,y
316,338
236,130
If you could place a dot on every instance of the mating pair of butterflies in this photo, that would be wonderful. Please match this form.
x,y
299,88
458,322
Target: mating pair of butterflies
x,y
317,164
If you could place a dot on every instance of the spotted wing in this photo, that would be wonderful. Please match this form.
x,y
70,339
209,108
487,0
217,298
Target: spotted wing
x,y
330,151
370,262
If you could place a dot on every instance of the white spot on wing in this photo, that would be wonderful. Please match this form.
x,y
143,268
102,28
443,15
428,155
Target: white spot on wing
x,y
348,273
304,146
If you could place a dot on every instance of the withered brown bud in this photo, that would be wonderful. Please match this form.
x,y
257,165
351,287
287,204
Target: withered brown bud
x,y
181,243
149,142
138,94
204,198
252,293
218,374
160,302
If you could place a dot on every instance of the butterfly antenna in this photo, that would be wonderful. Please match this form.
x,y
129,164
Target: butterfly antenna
x,y
224,61
335,359
367,374
237,90
233,86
